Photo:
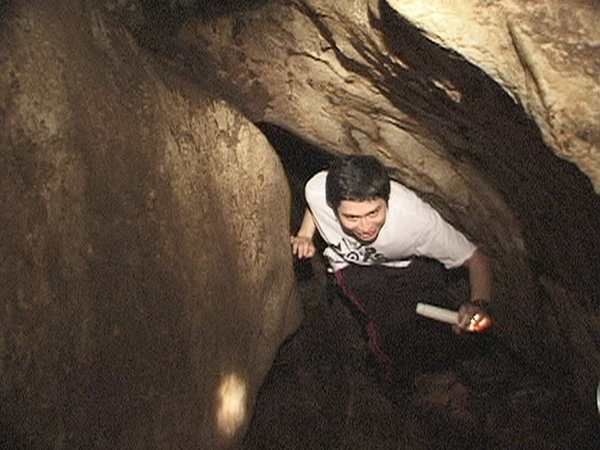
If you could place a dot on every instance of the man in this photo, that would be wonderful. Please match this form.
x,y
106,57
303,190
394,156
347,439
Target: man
x,y
384,247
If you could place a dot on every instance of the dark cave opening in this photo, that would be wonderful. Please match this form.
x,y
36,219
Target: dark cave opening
x,y
326,389
300,161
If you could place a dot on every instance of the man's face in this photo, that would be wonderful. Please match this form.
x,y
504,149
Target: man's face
x,y
363,220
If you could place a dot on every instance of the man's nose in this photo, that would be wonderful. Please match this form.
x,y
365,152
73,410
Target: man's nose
x,y
363,224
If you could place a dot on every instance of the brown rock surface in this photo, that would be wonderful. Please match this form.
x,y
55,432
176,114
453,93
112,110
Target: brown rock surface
x,y
544,53
144,250
357,77
144,261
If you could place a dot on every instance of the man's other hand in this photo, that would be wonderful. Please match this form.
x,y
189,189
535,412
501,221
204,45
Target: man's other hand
x,y
303,246
472,318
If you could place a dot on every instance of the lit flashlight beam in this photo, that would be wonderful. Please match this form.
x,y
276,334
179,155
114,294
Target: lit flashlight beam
x,y
598,396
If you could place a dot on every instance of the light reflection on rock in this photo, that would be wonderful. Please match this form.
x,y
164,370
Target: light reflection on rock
x,y
232,404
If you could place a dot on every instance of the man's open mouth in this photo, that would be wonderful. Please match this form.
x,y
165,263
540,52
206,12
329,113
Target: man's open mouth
x,y
366,236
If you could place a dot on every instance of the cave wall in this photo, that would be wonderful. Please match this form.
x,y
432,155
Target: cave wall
x,y
543,53
358,77
146,281
144,250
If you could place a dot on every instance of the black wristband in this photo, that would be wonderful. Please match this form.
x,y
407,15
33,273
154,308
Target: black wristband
x,y
479,302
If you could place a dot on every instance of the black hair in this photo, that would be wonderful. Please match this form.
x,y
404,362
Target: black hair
x,y
356,178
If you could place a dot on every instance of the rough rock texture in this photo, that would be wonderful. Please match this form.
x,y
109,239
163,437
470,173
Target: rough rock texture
x,y
357,77
545,53
144,255
145,271
324,393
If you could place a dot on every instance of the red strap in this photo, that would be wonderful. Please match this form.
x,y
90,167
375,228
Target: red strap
x,y
374,342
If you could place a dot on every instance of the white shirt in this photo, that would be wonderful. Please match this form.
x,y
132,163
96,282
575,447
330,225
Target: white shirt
x,y
412,228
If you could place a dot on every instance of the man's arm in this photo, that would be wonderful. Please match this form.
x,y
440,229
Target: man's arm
x,y
472,316
480,277
302,243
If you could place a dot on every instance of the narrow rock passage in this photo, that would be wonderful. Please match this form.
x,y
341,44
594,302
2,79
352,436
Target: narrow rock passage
x,y
326,388
325,391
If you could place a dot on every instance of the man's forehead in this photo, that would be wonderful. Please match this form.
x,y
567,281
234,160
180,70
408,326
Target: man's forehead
x,y
359,208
